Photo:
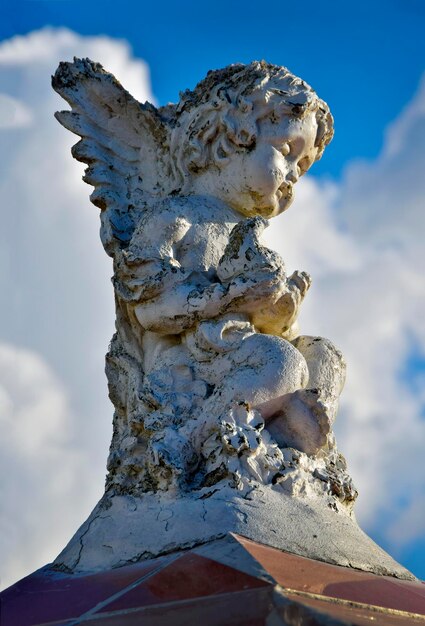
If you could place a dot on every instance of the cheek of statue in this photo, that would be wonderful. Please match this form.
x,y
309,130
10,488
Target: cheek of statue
x,y
252,181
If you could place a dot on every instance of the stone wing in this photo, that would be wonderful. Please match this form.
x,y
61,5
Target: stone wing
x,y
124,143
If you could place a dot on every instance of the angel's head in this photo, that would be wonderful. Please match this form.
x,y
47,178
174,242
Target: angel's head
x,y
246,134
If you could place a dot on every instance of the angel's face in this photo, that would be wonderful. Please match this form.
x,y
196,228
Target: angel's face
x,y
260,182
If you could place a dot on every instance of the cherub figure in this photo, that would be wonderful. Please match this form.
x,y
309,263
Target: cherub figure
x,y
207,360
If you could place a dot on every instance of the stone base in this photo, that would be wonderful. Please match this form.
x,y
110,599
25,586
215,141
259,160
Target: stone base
x,y
127,529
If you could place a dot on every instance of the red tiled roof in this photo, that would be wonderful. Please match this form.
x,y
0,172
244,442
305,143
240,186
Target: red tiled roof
x,y
232,581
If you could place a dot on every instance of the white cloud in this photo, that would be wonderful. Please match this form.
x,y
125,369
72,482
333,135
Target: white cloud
x,y
361,240
43,49
41,470
409,525
57,315
13,113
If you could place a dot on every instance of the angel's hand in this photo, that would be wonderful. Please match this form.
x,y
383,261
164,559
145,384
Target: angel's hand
x,y
300,283
290,302
264,287
279,317
246,256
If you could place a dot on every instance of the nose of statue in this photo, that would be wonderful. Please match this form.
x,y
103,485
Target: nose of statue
x,y
292,176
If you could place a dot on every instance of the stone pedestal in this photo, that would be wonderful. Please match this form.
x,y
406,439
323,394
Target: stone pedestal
x,y
124,529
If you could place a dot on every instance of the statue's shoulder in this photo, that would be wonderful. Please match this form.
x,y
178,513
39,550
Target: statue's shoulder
x,y
165,215
193,209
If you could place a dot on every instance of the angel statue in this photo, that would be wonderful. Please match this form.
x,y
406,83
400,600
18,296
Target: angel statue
x,y
217,395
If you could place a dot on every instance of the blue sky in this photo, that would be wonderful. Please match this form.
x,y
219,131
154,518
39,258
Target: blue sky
x,y
374,49
357,226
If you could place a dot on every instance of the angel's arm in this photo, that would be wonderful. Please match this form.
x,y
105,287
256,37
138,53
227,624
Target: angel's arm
x,y
185,298
188,301
169,297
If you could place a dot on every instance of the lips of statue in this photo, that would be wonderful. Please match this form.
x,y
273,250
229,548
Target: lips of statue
x,y
260,181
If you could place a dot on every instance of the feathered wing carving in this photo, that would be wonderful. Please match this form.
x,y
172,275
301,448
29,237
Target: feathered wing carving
x,y
124,143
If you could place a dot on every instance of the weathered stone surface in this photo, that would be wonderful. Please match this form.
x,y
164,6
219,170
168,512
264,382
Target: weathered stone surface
x,y
126,529
223,410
